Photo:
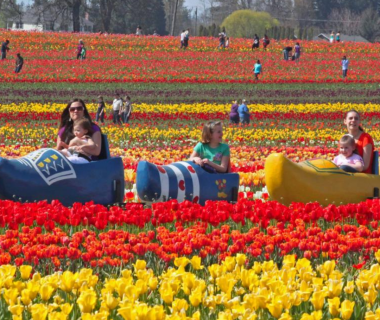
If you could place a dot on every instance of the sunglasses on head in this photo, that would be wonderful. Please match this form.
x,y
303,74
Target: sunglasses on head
x,y
72,109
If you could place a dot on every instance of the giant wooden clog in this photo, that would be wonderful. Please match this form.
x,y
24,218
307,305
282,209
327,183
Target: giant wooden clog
x,y
184,181
316,180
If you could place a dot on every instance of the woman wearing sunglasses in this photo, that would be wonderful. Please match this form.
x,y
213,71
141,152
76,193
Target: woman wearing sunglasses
x,y
75,111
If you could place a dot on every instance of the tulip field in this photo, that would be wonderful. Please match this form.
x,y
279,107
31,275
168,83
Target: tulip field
x,y
253,259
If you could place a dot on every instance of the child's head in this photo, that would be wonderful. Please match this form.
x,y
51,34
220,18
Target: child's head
x,y
347,145
83,127
212,132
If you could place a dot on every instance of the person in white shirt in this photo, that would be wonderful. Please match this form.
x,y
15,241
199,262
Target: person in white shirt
x,y
183,34
116,106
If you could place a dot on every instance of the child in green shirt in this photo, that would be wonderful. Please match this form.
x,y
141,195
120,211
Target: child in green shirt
x,y
211,152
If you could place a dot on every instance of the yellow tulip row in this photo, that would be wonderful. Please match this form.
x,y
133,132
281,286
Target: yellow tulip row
x,y
156,136
199,107
229,290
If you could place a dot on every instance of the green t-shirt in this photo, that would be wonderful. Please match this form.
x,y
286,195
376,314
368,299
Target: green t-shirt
x,y
213,154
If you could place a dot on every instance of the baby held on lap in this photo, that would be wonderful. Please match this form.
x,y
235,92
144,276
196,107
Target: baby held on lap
x,y
82,132
347,159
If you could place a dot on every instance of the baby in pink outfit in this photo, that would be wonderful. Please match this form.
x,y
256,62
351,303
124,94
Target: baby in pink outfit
x,y
347,157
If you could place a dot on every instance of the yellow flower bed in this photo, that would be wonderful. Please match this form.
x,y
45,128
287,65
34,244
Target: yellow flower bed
x,y
228,290
199,107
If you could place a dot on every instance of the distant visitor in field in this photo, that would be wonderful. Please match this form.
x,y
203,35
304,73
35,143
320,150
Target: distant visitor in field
x,y
19,63
79,49
244,114
344,64
74,112
227,42
338,36
222,39
182,37
234,114
186,39
257,69
211,154
126,110
4,49
139,31
101,110
117,104
266,42
286,51
297,52
348,160
83,137
332,37
256,42
364,142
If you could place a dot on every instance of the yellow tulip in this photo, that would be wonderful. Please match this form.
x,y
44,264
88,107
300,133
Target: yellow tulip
x,y
87,300
334,288
132,293
196,297
347,309
57,316
10,296
16,309
316,315
229,263
46,291
141,286
127,313
371,295
180,305
166,292
334,306
39,311
285,316
110,301
289,261
67,281
196,263
25,271
66,308
350,286
181,262
140,265
153,283
241,259
275,307
369,315
377,255
318,299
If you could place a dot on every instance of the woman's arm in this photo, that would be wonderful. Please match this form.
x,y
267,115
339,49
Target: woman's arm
x,y
196,158
222,168
60,144
92,149
367,155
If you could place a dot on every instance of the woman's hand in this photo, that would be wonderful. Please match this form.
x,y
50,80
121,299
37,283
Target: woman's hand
x,y
62,145
206,161
198,161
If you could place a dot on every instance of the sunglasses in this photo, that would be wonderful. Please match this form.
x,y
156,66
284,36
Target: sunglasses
x,y
72,109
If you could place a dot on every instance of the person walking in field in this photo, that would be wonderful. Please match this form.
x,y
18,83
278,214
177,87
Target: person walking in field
x,y
344,63
332,37
256,42
257,69
19,63
117,104
266,42
79,49
297,52
4,49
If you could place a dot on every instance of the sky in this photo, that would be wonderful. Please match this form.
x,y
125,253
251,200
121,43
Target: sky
x,y
193,3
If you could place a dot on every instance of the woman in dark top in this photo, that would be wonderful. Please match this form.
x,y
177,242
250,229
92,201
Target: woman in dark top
x,y
101,110
75,111
234,115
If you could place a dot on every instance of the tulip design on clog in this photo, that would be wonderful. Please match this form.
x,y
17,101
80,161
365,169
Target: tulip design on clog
x,y
221,183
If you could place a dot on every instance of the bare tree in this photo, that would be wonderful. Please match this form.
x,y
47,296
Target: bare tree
x,y
344,20
106,9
